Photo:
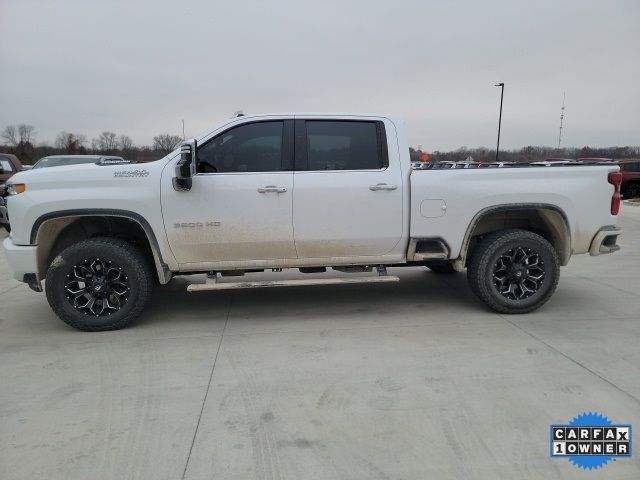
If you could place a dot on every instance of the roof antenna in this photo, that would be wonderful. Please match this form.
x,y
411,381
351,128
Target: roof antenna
x,y
561,120
238,113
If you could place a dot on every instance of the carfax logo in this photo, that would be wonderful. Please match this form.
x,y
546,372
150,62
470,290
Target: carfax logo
x,y
590,440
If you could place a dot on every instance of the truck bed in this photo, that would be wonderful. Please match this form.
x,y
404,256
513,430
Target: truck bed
x,y
581,193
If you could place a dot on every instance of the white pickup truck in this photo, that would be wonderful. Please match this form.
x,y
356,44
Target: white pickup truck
x,y
306,191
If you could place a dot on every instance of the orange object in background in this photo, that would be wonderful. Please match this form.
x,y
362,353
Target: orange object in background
x,y
425,157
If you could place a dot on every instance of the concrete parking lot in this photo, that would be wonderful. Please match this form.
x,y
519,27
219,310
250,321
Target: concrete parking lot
x,y
410,381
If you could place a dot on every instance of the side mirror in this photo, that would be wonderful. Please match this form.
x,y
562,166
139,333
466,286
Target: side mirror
x,y
186,166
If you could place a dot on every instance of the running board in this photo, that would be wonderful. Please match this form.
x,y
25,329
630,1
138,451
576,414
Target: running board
x,y
213,285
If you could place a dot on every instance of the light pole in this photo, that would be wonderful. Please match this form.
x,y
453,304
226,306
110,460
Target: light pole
x,y
500,117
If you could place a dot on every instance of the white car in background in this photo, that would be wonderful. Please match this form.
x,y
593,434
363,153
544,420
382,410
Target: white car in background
x,y
65,160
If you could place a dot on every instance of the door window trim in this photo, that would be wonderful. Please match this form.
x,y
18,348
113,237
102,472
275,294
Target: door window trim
x,y
301,163
287,161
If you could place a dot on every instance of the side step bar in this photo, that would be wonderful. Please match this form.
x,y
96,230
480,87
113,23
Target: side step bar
x,y
212,284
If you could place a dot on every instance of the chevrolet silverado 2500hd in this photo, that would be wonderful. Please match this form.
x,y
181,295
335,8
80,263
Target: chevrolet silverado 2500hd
x,y
306,191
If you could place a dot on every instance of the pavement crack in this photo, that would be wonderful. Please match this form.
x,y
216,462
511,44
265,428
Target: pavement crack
x,y
573,360
559,352
206,393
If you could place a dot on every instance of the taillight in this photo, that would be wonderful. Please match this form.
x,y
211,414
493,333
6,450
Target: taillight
x,y
615,179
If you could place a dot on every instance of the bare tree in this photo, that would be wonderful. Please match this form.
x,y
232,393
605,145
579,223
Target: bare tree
x,y
10,135
70,142
16,135
20,139
26,134
125,142
165,142
107,142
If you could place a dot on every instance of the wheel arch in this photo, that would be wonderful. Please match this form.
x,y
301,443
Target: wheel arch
x,y
54,231
548,220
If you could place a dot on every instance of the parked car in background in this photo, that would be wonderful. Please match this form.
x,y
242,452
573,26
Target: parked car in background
x,y
9,165
64,160
592,160
630,169
4,216
497,164
551,162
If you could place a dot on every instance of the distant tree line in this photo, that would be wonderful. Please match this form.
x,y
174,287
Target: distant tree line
x,y
21,141
527,154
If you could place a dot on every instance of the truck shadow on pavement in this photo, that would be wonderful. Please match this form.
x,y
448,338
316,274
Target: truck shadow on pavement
x,y
419,293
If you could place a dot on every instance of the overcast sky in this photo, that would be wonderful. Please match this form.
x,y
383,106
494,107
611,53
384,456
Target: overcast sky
x,y
139,67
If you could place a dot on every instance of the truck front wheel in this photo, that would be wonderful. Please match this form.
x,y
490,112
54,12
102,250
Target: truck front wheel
x,y
513,271
99,284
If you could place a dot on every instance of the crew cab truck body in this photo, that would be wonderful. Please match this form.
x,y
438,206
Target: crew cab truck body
x,y
307,191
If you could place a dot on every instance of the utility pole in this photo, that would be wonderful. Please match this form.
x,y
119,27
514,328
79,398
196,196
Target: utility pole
x,y
561,120
501,85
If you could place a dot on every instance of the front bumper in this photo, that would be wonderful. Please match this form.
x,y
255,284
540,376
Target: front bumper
x,y
605,241
22,260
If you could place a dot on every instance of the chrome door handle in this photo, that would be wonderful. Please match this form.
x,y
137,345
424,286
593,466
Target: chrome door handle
x,y
382,186
271,189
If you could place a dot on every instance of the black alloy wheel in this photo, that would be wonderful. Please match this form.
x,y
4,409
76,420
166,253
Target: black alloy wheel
x,y
518,273
97,287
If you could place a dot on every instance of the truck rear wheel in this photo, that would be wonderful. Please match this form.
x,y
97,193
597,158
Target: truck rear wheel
x,y
99,284
513,271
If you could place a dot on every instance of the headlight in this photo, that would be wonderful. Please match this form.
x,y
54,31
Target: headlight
x,y
15,188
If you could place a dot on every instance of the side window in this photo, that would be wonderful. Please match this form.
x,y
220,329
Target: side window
x,y
6,165
345,145
632,167
254,147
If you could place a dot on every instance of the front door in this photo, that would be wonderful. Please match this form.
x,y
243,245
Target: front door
x,y
239,209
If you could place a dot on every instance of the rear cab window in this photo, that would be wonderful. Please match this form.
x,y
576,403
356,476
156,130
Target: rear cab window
x,y
323,145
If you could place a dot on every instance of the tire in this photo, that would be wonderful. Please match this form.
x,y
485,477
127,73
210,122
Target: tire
x,y
111,272
513,271
442,268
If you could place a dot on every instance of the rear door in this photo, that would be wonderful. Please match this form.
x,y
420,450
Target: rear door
x,y
347,198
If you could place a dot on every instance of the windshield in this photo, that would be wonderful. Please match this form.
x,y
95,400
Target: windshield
x,y
62,161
